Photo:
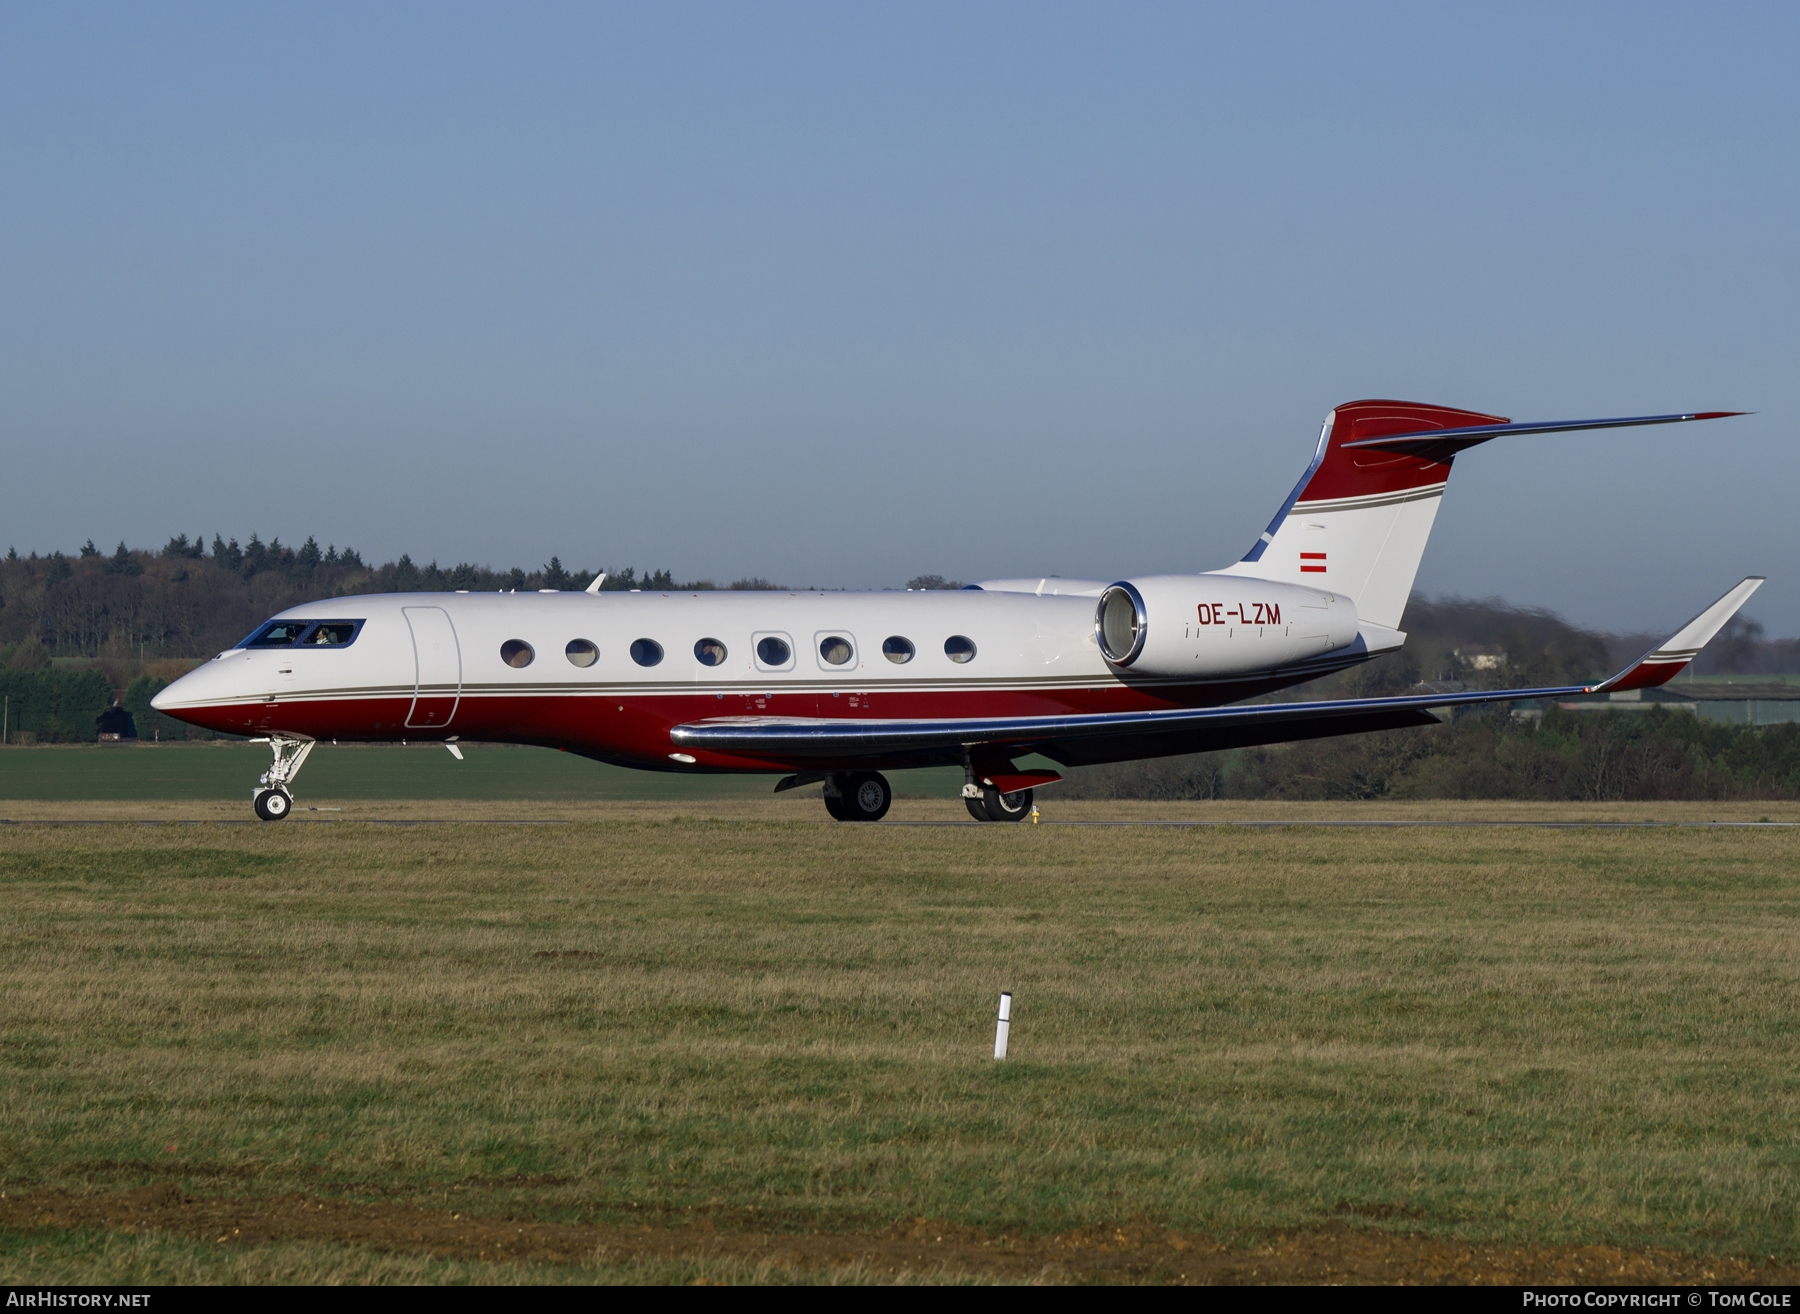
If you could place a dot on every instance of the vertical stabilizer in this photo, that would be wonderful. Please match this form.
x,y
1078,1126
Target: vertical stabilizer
x,y
1357,522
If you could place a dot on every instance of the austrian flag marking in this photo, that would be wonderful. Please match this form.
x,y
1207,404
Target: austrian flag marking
x,y
1317,560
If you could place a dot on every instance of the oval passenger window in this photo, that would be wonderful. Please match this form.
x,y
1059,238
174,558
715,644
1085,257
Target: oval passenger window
x,y
771,651
897,650
709,652
835,650
646,652
959,648
516,653
581,653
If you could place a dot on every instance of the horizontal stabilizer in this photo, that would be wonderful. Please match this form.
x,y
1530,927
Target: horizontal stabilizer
x,y
1441,444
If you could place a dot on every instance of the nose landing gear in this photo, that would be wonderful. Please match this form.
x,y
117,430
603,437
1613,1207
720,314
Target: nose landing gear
x,y
272,804
271,799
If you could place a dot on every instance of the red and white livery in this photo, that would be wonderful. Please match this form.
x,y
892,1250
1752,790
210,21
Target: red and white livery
x,y
840,687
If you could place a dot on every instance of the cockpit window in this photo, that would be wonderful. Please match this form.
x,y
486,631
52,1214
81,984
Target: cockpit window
x,y
330,634
304,634
277,634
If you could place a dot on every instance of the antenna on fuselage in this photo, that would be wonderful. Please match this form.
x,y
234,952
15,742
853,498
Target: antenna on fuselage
x,y
598,581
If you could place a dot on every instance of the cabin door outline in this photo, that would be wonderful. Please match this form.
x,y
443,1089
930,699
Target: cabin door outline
x,y
437,668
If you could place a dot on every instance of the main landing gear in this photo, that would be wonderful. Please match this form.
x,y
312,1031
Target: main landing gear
x,y
866,796
986,801
858,795
991,805
271,800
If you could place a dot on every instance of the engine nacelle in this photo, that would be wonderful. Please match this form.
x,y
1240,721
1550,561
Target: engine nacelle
x,y
1212,625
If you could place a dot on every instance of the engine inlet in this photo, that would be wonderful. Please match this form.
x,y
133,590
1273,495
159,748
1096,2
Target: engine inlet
x,y
1120,624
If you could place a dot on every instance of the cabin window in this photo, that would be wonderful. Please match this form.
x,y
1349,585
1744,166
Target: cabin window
x,y
709,652
897,650
646,652
959,648
580,652
517,654
772,650
835,650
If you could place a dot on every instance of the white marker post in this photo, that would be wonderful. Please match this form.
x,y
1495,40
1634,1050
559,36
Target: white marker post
x,y
1003,1025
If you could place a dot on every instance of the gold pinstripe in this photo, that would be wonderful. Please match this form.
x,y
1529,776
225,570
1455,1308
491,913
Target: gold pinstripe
x,y
1362,503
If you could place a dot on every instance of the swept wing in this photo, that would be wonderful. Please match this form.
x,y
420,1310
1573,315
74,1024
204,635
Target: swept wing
x,y
1108,736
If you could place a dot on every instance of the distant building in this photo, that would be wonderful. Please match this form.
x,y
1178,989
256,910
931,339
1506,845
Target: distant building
x,y
1480,657
115,725
1736,704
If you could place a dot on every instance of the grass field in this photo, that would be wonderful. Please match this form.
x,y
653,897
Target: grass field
x,y
655,1047
226,769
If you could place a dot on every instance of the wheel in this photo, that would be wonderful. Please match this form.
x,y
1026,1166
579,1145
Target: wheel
x,y
273,804
835,805
867,797
977,808
1008,807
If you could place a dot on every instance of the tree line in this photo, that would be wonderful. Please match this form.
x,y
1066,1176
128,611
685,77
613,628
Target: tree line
x,y
1463,643
78,632
1457,643
138,619
190,600
1567,756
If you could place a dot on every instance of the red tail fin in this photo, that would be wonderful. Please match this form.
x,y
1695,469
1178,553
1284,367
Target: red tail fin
x,y
1343,472
1357,521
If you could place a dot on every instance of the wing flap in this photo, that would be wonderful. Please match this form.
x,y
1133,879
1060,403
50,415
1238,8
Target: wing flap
x,y
1094,750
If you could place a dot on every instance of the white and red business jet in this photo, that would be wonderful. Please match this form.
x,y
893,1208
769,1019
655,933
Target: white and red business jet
x,y
838,687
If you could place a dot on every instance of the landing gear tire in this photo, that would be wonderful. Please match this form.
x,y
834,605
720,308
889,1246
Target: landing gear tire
x,y
977,808
273,804
1015,806
861,796
867,797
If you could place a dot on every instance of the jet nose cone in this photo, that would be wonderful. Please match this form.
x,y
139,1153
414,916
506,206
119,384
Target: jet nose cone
x,y
204,697
179,692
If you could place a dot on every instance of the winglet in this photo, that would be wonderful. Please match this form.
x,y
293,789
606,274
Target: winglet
x,y
598,581
1665,661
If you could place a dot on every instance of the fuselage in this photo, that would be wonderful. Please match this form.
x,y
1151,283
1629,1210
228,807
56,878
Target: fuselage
x,y
838,687
609,674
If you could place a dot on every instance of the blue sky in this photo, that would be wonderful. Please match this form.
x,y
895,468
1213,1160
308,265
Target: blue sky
x,y
842,294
